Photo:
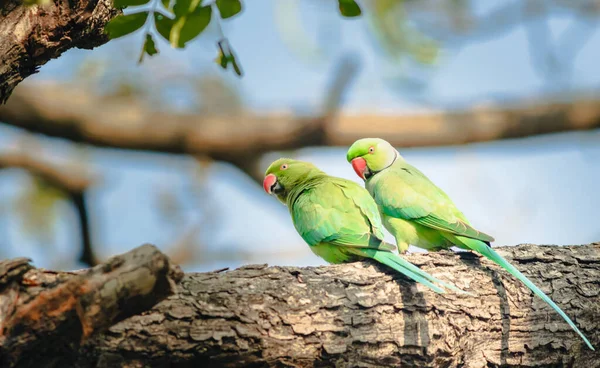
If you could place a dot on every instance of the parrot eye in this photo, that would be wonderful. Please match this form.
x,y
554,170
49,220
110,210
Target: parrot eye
x,y
284,166
371,149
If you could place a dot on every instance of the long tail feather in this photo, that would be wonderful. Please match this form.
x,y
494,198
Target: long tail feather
x,y
488,252
429,277
400,265
404,267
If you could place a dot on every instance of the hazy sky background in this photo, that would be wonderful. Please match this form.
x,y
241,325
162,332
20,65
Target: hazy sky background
x,y
539,190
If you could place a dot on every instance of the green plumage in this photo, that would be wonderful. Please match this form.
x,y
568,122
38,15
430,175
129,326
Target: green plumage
x,y
339,219
408,199
417,212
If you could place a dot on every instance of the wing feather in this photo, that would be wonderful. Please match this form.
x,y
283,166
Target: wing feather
x,y
404,192
339,212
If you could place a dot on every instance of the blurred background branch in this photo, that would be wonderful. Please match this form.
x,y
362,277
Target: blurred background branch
x,y
68,179
70,182
127,122
240,138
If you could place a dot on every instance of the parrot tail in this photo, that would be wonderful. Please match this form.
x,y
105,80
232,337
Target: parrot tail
x,y
483,249
404,267
401,262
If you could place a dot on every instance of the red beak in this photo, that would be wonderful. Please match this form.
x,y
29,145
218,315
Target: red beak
x,y
359,165
268,183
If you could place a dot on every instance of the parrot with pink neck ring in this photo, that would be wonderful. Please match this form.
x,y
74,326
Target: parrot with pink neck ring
x,y
337,218
417,212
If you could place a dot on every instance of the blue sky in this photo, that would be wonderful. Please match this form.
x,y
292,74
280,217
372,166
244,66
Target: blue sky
x,y
540,190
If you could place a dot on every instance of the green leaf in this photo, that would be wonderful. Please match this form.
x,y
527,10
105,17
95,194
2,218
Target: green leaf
x,y
188,27
181,7
349,8
149,47
229,8
166,4
236,67
125,24
124,3
226,56
222,60
163,25
184,7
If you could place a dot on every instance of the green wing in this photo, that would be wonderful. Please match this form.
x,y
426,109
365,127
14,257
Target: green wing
x,y
405,192
338,212
365,203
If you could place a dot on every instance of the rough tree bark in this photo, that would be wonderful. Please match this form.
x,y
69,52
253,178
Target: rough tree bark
x,y
361,315
44,315
31,36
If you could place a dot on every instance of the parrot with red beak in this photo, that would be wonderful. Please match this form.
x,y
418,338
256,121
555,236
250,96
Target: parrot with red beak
x,y
417,212
337,218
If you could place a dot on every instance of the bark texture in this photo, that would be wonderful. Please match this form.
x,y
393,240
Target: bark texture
x,y
359,315
45,316
32,35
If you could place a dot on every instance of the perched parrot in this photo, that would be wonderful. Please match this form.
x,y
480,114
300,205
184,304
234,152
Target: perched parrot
x,y
417,212
337,218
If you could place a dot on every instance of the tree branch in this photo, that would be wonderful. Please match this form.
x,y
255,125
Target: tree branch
x,y
31,36
53,313
130,124
68,180
88,256
361,314
80,116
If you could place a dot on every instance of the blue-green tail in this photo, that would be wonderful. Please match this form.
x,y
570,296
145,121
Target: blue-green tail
x,y
408,269
485,250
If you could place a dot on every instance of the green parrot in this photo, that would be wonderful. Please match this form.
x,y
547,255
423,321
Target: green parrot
x,y
417,212
337,218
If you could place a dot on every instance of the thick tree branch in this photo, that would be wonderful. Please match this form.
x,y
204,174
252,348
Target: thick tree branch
x,y
53,313
66,179
80,116
362,315
30,36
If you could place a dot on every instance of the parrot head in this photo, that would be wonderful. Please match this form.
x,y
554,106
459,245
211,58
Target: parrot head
x,y
368,156
285,174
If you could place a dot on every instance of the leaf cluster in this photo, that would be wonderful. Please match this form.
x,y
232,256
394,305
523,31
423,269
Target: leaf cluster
x,y
181,21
